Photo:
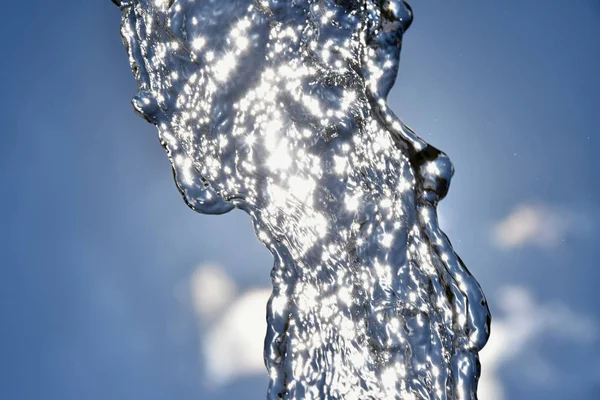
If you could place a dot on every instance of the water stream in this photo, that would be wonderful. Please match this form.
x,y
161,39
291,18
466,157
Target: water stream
x,y
279,108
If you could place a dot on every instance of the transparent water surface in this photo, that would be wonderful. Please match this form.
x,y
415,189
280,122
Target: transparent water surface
x,y
279,108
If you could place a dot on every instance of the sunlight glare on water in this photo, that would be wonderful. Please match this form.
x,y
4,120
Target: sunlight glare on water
x,y
278,108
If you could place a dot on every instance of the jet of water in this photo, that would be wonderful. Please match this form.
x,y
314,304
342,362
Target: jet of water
x,y
278,108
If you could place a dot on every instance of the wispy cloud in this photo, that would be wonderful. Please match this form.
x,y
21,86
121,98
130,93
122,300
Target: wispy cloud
x,y
524,322
533,224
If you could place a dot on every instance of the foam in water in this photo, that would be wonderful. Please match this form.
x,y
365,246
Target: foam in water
x,y
279,108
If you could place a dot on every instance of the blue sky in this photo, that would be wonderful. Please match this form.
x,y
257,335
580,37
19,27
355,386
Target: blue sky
x,y
99,286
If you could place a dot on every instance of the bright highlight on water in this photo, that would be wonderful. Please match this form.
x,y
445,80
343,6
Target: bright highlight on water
x,y
279,108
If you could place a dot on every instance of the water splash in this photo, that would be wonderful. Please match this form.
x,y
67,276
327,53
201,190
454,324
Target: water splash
x,y
279,108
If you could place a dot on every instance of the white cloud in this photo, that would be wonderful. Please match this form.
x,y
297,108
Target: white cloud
x,y
533,224
233,347
234,331
524,321
212,290
234,328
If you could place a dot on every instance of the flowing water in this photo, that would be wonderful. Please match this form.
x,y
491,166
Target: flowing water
x,y
278,108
